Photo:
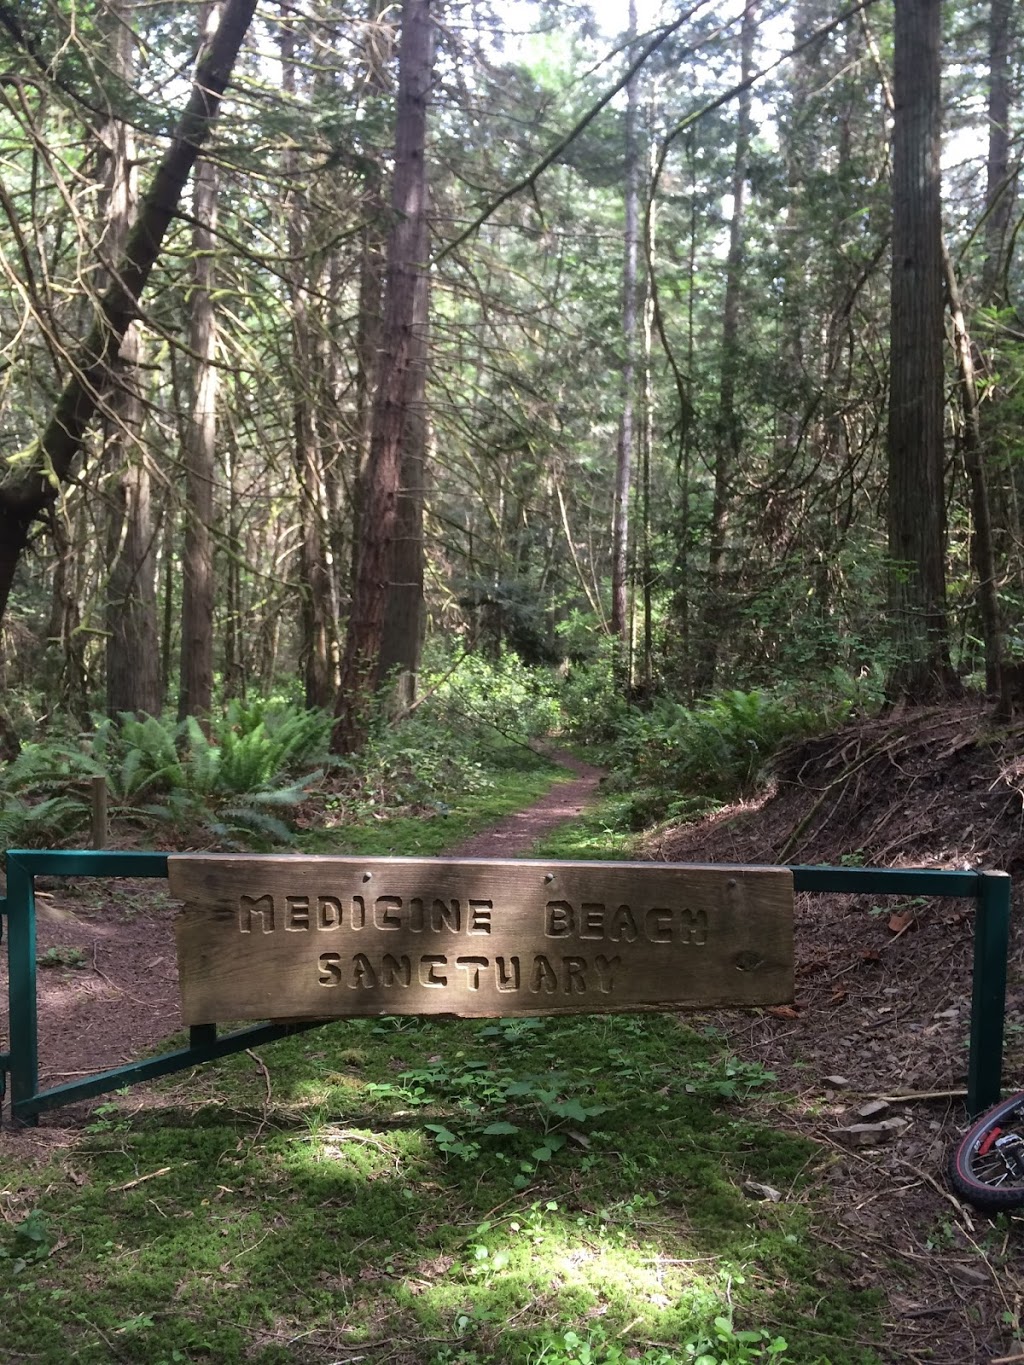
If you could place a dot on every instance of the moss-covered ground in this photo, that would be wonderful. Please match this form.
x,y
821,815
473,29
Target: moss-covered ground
x,y
437,1192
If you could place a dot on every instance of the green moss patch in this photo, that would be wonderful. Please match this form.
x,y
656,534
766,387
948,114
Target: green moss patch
x,y
431,1191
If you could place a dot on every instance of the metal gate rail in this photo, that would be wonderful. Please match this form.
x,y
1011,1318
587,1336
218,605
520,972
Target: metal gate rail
x,y
989,890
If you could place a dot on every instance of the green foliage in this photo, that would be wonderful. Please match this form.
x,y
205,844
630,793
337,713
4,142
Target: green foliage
x,y
726,1345
570,1348
61,956
137,756
236,781
43,823
475,721
255,745
721,1344
677,761
593,707
26,1244
479,697
483,1092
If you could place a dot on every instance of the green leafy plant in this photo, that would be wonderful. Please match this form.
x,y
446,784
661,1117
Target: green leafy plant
x,y
61,957
45,823
26,1243
726,1344
679,761
728,1078
238,780
108,1117
498,1115
568,1347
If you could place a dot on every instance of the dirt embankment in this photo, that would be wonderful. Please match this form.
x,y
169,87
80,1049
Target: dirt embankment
x,y
883,995
931,787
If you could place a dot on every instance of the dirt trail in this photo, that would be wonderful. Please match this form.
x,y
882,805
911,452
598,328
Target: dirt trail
x,y
516,834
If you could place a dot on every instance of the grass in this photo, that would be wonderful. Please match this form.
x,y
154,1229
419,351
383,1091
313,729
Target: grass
x,y
424,835
434,1192
599,835
429,1191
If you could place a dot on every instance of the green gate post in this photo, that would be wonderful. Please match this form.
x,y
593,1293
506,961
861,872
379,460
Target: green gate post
x,y
21,967
988,1002
5,1057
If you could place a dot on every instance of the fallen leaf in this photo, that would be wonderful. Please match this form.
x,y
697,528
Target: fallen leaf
x,y
784,1012
899,924
871,955
838,996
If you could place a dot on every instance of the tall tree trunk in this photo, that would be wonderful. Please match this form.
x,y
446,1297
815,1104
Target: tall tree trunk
x,y
682,596
195,696
168,532
234,663
646,447
65,638
335,442
999,187
406,260
25,495
377,60
729,426
982,547
1000,196
132,636
404,616
624,454
314,575
917,585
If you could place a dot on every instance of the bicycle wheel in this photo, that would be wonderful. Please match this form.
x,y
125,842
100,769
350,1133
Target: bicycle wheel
x,y
987,1167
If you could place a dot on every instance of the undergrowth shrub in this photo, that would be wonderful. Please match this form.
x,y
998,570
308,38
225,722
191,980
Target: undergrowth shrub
x,y
593,707
680,761
478,698
474,718
254,764
25,823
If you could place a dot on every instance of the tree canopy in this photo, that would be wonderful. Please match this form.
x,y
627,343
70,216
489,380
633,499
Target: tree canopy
x,y
521,331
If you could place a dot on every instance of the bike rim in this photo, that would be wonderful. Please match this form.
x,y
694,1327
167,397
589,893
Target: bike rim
x,y
984,1162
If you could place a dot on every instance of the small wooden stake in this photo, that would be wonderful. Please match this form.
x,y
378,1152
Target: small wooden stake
x,y
99,812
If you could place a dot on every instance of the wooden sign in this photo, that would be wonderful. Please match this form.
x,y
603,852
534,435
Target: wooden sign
x,y
321,937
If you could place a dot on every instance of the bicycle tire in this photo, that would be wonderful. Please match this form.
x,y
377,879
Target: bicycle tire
x,y
978,1171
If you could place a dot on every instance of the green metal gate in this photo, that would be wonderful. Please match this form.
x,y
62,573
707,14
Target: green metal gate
x,y
990,892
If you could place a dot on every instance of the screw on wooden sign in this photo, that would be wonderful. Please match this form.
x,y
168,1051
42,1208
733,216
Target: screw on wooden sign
x,y
320,937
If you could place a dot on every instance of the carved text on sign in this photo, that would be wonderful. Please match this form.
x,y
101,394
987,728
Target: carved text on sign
x,y
591,921
538,975
309,937
416,915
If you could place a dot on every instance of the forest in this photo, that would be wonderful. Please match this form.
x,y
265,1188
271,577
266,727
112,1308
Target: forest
x,y
682,349
399,405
